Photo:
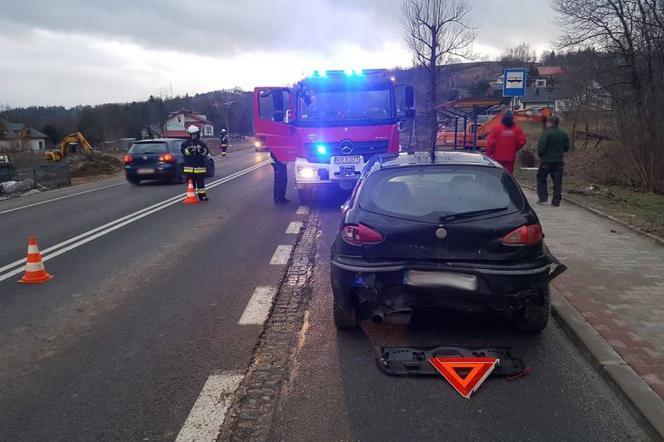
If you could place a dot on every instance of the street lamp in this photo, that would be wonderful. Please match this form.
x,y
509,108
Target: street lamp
x,y
227,106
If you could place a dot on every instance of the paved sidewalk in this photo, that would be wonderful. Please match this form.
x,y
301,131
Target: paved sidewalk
x,y
615,279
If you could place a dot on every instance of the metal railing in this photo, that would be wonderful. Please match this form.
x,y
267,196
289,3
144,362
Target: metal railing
x,y
50,176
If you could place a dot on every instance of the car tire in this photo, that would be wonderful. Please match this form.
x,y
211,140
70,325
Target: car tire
x,y
134,181
533,317
306,194
179,177
345,318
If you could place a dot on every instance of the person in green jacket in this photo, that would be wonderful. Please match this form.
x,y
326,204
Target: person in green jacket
x,y
551,149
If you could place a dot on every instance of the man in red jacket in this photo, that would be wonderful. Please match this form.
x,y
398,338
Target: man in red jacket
x,y
505,140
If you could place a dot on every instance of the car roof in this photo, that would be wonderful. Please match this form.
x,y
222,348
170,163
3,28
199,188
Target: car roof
x,y
159,140
446,158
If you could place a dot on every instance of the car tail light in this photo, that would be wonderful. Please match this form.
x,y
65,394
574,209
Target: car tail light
x,y
524,236
128,159
359,234
168,158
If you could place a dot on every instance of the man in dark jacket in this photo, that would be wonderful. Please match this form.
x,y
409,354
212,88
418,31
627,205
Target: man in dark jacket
x,y
551,149
280,180
223,142
195,154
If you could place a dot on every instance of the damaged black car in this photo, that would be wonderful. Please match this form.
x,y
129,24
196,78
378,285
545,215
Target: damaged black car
x,y
451,230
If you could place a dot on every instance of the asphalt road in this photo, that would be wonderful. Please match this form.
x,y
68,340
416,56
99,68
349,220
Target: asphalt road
x,y
144,309
120,343
338,393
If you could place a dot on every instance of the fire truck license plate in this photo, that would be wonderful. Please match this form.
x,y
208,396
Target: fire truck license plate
x,y
351,159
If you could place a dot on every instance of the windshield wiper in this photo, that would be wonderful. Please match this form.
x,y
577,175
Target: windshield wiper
x,y
471,214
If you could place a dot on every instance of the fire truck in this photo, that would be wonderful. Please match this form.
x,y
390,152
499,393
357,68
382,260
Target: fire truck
x,y
330,123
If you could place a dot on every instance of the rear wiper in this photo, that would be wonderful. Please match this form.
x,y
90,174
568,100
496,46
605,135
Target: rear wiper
x,y
472,214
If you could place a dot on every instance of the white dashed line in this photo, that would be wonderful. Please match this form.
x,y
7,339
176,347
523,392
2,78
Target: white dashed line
x,y
208,413
294,228
281,255
302,210
258,308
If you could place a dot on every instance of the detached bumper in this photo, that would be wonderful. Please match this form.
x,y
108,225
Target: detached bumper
x,y
400,286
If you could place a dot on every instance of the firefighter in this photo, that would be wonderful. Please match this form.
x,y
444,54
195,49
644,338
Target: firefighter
x,y
280,180
505,140
195,154
223,145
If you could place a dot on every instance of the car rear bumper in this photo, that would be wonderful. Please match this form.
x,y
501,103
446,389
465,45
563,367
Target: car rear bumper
x,y
400,286
158,172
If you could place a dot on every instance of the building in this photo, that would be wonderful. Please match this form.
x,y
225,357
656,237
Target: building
x,y
20,137
539,98
177,123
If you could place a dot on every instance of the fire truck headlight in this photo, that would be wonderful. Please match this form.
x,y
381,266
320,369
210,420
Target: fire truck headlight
x,y
306,172
257,144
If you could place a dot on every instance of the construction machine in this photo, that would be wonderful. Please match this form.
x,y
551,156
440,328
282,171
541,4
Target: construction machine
x,y
72,143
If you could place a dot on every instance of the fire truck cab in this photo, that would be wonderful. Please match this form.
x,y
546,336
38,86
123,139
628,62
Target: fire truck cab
x,y
331,123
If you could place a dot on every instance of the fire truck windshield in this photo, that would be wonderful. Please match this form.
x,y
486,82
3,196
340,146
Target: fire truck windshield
x,y
357,107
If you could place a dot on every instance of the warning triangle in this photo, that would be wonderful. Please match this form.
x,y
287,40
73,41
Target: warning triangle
x,y
478,369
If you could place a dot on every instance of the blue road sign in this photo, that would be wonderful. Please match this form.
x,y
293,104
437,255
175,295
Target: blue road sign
x,y
514,82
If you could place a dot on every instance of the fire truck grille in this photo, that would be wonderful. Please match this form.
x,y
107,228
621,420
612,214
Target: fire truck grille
x,y
365,148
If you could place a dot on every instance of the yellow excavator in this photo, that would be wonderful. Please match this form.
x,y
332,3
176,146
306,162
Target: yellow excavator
x,y
72,143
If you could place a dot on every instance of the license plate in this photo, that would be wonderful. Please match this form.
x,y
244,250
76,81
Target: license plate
x,y
145,171
461,281
351,159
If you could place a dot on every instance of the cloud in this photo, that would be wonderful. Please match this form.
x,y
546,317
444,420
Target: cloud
x,y
82,51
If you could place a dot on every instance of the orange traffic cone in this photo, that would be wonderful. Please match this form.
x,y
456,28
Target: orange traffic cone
x,y
191,197
35,273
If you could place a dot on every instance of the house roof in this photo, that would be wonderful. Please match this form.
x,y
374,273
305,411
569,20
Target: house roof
x,y
549,70
11,130
191,115
540,95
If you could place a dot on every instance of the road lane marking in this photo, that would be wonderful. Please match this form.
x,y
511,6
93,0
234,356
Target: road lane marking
x,y
281,255
61,198
302,210
97,232
294,228
209,411
258,308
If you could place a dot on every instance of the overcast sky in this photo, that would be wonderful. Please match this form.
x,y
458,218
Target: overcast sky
x,y
68,52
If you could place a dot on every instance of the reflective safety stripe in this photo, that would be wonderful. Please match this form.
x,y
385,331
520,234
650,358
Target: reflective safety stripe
x,y
34,266
188,169
200,170
187,152
201,191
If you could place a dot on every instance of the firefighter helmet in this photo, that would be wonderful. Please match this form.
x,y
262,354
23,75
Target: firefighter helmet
x,y
193,129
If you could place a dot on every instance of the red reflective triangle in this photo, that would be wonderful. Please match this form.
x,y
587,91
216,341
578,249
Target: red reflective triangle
x,y
480,369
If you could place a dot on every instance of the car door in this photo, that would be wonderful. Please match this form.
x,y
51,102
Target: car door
x,y
273,112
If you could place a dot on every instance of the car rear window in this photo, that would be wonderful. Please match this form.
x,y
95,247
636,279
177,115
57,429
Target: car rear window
x,y
149,148
432,193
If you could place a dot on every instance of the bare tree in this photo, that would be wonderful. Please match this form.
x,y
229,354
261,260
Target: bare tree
x,y
630,34
437,31
522,53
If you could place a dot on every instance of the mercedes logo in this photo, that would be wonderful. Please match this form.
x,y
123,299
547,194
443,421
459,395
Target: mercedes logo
x,y
346,147
441,233
145,157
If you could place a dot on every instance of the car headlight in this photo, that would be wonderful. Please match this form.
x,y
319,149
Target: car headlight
x,y
257,144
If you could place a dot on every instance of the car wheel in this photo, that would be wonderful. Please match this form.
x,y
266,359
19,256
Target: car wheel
x,y
134,181
345,317
306,194
533,317
179,177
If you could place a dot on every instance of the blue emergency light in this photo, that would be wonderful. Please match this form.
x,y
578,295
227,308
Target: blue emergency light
x,y
322,149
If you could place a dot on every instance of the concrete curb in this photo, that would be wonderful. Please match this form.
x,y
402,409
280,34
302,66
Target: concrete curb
x,y
657,239
645,404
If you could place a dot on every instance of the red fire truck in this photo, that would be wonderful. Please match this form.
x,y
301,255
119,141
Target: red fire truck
x,y
331,123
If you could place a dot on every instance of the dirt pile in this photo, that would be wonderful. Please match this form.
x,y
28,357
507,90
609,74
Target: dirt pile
x,y
94,165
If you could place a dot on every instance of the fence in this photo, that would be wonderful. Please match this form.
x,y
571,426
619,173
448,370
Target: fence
x,y
50,176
